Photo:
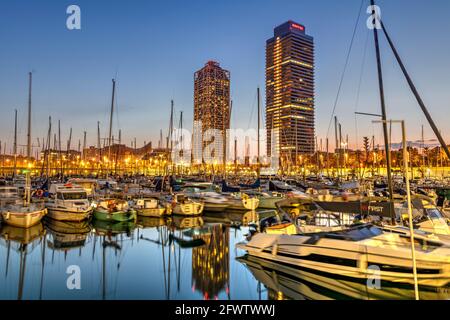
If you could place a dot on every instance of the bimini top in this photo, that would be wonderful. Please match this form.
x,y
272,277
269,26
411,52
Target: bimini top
x,y
68,187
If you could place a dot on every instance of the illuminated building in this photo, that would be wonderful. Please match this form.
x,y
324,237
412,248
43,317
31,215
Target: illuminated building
x,y
210,263
211,105
290,92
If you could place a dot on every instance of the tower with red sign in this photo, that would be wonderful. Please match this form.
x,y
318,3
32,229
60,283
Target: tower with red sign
x,y
290,93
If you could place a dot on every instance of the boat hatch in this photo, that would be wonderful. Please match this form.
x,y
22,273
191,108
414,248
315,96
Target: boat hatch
x,y
355,234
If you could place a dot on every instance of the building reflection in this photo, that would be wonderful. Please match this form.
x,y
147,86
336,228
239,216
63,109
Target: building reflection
x,y
210,262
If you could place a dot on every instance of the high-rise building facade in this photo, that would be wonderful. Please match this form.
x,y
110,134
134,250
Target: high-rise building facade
x,y
290,92
211,106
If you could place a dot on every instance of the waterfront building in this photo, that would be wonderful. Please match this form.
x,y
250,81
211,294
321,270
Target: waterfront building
x,y
211,108
290,93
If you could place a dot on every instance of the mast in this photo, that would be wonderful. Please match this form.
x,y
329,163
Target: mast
x,y
30,76
59,149
383,109
181,137
169,136
259,127
337,143
111,120
15,143
84,145
48,145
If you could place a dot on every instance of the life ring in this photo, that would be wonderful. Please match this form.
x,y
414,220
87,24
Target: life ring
x,y
39,193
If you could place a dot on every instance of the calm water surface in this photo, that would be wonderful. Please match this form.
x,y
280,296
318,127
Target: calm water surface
x,y
175,258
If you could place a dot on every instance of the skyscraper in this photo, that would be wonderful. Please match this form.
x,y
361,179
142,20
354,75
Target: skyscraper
x,y
290,92
211,106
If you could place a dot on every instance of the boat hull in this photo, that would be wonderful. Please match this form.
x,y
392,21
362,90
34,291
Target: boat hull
x,y
188,209
268,203
215,207
353,260
69,215
151,212
23,219
118,216
245,204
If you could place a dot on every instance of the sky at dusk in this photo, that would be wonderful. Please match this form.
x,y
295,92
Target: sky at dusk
x,y
153,48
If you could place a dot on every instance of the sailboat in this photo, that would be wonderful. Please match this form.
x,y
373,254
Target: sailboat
x,y
24,214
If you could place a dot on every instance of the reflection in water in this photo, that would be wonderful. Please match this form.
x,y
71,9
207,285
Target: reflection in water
x,y
210,262
161,258
287,283
67,235
23,241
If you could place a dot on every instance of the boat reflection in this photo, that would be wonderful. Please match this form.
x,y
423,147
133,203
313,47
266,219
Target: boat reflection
x,y
181,223
284,282
23,241
152,222
66,235
109,228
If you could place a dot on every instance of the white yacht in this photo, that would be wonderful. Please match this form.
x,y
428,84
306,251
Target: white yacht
x,y
356,252
68,202
206,193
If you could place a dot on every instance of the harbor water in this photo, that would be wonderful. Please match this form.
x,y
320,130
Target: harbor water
x,y
156,258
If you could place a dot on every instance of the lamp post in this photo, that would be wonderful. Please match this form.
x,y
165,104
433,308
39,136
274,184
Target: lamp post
x,y
408,195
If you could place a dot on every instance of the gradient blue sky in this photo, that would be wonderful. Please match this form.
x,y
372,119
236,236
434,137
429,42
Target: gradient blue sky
x,y
154,47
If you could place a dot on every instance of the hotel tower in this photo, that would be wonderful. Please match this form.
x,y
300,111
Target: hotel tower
x,y
290,93
211,106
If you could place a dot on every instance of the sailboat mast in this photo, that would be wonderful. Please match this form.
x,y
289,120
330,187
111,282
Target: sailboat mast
x,y
84,145
48,145
337,144
259,128
111,119
30,77
383,108
15,143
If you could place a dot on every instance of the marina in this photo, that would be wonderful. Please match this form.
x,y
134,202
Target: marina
x,y
251,199
306,246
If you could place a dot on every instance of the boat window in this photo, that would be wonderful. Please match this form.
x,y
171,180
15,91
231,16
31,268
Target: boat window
x,y
357,234
8,190
434,214
75,196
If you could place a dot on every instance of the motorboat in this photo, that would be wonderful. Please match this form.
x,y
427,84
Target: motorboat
x,y
267,200
206,193
89,185
355,252
114,210
426,216
151,207
183,205
68,202
242,201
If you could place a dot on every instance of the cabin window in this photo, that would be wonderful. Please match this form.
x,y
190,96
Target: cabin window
x,y
75,196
